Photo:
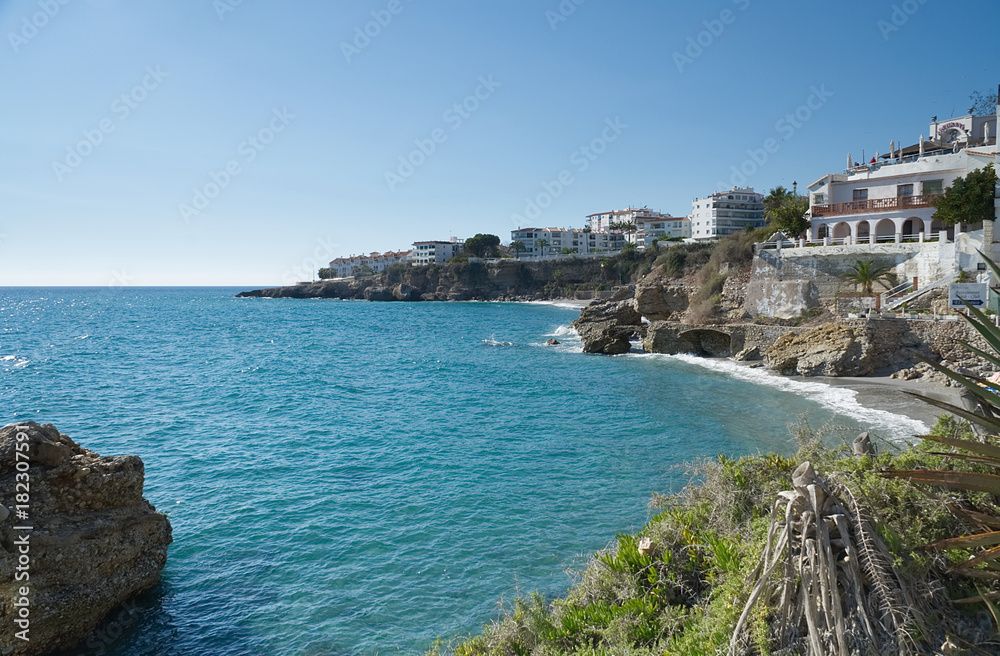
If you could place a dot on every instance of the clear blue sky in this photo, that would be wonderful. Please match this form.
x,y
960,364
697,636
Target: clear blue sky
x,y
336,120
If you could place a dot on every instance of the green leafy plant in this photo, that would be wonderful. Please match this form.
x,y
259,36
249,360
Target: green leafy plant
x,y
866,274
977,450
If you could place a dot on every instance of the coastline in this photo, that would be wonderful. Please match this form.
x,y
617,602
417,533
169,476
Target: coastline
x,y
889,395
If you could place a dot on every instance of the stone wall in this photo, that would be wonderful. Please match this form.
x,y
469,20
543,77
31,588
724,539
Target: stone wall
x,y
789,282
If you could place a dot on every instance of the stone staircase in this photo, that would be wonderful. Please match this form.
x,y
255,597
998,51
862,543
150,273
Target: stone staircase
x,y
893,298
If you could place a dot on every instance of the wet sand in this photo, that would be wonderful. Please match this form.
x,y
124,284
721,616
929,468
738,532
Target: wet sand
x,y
884,393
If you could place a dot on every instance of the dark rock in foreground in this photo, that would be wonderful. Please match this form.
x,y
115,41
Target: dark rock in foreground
x,y
96,542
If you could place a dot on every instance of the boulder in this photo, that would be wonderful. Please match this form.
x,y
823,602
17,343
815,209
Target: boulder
x,y
748,354
608,326
622,312
404,292
660,302
379,294
829,350
94,541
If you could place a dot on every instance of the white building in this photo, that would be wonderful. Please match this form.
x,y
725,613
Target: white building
x,y
726,212
435,252
604,221
577,242
661,228
345,267
891,199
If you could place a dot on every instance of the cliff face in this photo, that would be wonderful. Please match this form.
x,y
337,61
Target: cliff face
x,y
93,542
462,281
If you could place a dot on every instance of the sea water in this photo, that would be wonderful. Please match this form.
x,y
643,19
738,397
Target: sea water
x,y
361,478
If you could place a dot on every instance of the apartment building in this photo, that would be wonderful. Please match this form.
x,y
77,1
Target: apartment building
x,y
726,212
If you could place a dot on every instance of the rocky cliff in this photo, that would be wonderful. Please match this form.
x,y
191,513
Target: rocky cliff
x,y
77,538
583,278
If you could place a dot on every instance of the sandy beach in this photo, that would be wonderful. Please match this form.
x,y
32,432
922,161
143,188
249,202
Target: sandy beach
x,y
889,394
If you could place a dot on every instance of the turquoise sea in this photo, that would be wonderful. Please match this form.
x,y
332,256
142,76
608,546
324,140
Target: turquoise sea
x,y
360,478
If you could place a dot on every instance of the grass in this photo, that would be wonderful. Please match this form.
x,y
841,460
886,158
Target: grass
x,y
679,585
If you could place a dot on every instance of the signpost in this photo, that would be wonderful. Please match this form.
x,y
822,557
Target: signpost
x,y
975,294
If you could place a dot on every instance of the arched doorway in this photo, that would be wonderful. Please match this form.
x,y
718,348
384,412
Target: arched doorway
x,y
937,227
864,230
912,227
822,231
841,231
885,230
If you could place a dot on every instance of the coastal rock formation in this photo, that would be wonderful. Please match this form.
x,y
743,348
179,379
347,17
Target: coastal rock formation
x,y
408,293
829,350
95,541
706,341
661,302
507,279
608,327
379,294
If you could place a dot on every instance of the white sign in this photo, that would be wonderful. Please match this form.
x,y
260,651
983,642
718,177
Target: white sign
x,y
974,293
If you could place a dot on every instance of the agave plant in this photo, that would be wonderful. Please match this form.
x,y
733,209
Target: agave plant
x,y
984,449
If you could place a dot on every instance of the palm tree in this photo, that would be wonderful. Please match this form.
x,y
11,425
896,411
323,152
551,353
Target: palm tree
x,y
541,243
518,247
866,274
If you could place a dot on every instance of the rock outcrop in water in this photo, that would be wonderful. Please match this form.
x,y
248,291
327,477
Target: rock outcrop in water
x,y
95,541
608,326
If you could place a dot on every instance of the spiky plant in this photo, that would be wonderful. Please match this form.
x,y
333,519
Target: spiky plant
x,y
982,449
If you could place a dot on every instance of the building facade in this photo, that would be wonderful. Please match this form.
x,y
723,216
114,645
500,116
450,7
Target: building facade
x,y
604,221
540,243
346,267
435,252
891,199
726,212
661,228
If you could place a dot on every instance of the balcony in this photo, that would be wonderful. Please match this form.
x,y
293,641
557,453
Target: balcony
x,y
874,205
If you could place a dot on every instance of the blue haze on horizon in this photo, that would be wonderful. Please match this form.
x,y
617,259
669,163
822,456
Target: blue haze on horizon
x,y
220,71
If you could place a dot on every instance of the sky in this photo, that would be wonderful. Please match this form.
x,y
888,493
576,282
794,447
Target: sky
x,y
247,143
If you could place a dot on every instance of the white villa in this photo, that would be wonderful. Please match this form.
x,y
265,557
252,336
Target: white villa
x,y
554,240
726,212
890,199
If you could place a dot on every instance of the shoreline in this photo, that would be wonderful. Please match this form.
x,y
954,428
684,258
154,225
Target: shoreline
x,y
889,395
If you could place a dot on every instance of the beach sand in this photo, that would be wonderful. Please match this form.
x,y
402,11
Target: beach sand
x,y
889,394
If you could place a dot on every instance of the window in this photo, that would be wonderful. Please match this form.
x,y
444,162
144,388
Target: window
x,y
904,190
820,199
860,194
933,187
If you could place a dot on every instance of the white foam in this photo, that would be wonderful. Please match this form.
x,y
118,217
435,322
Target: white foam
x,y
840,400
492,341
564,331
15,362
